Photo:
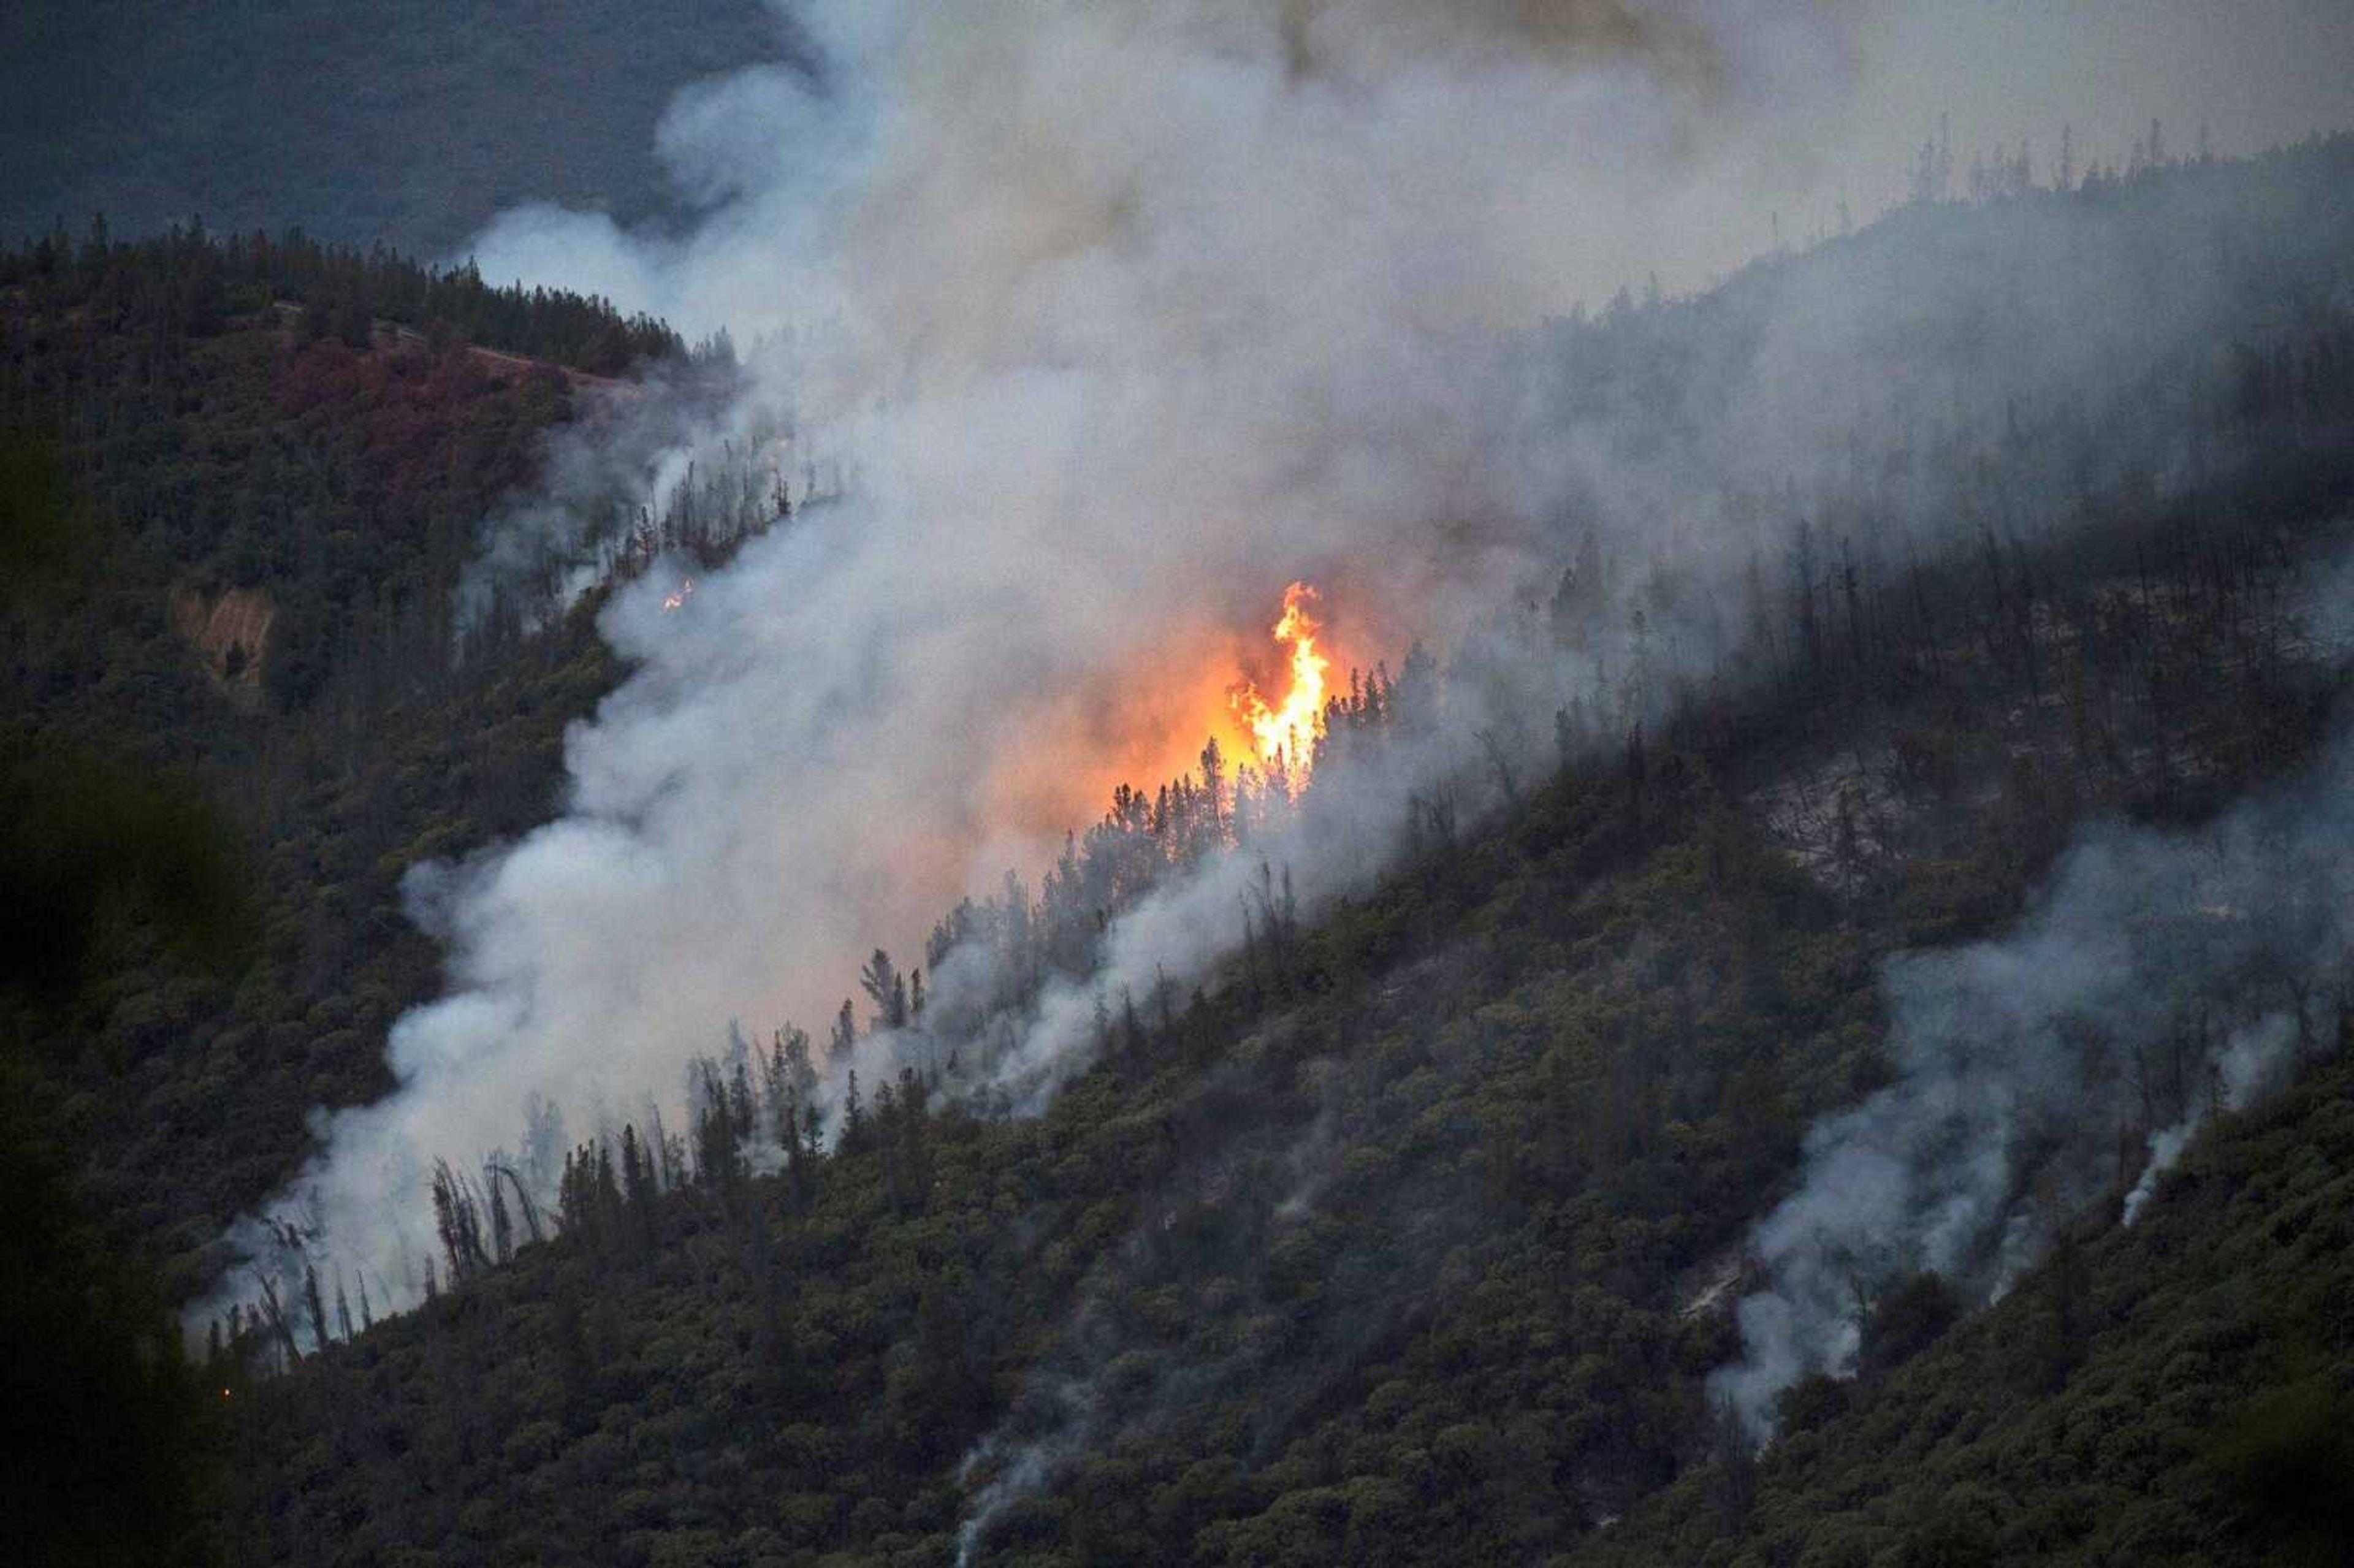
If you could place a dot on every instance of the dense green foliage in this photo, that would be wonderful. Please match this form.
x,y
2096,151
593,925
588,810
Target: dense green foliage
x,y
243,541
116,1446
90,850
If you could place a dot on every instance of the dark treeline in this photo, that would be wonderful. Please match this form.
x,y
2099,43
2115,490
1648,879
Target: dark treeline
x,y
189,282
322,484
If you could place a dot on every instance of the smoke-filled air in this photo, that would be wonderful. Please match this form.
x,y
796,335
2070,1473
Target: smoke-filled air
x,y
1074,337
1210,781
1093,328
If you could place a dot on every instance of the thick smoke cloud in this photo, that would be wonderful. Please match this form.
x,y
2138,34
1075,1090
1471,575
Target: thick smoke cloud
x,y
2159,979
1118,318
1124,316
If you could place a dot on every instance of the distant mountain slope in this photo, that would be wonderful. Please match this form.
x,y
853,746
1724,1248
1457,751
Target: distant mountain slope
x,y
407,121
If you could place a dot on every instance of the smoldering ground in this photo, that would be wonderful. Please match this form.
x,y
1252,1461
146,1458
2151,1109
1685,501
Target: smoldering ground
x,y
2157,978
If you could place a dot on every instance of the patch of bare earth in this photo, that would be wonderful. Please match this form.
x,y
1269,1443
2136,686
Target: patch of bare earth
x,y
230,633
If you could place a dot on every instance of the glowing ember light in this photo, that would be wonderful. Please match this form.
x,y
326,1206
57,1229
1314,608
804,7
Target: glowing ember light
x,y
672,600
1286,734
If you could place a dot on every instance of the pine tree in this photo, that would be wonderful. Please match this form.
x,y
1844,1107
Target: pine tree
x,y
845,1042
314,1306
638,1189
740,1116
792,1083
887,990
605,1193
1214,793
457,1220
853,1119
502,1226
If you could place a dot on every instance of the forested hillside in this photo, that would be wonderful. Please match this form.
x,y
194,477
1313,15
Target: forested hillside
x,y
1395,1244
1414,1231
2173,1392
244,477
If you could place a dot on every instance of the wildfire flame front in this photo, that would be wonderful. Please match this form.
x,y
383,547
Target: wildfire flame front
x,y
1287,734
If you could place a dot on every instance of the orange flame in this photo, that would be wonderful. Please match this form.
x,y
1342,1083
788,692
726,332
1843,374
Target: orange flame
x,y
672,600
1287,733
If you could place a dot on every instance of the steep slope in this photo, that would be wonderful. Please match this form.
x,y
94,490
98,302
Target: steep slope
x,y
1414,1234
2173,1392
1394,1245
261,533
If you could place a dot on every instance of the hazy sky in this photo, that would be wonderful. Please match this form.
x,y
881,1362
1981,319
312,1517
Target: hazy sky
x,y
1819,112
2257,72
99,109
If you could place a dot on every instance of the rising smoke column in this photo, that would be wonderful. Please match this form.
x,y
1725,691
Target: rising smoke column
x,y
1125,315
2156,978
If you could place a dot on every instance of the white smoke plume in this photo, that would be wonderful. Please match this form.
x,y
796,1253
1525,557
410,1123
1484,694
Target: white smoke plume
x,y
1122,316
2157,978
2256,1057
1125,316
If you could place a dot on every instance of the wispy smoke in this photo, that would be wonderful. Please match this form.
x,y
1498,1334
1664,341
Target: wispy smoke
x,y
1125,315
1222,1232
2157,978
608,482
2252,1062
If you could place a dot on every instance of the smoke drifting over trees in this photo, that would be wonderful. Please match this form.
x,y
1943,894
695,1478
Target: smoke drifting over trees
x,y
2158,979
1124,317
1114,363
